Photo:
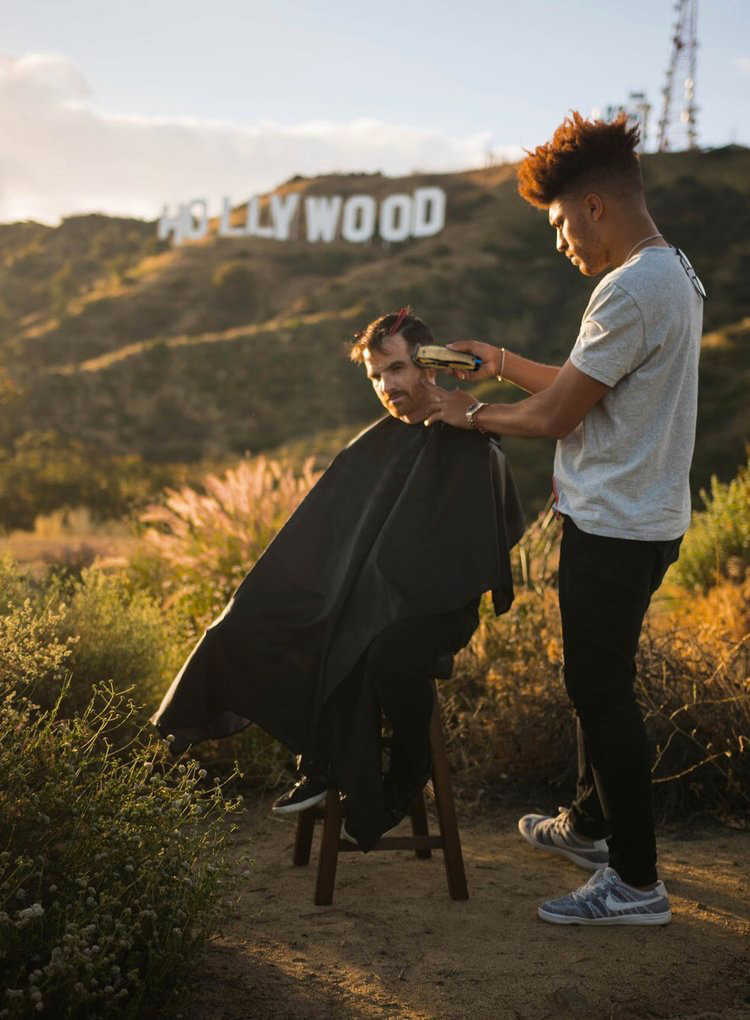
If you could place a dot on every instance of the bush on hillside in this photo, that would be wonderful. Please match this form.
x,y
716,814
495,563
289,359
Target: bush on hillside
x,y
45,471
718,539
111,871
110,630
201,544
116,632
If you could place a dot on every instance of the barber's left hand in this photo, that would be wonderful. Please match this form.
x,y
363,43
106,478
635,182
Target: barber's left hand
x,y
449,406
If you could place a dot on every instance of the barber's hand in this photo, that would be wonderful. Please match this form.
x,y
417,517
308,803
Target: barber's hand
x,y
490,359
447,405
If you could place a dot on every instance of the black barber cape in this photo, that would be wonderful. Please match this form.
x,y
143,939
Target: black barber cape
x,y
407,522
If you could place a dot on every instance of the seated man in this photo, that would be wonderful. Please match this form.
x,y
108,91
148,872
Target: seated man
x,y
374,577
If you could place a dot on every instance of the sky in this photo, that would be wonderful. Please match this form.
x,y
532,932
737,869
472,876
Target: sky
x,y
124,106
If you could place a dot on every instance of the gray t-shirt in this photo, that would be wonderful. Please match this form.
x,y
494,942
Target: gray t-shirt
x,y
623,472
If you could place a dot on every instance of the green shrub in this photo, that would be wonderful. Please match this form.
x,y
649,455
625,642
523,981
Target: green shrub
x,y
719,533
117,632
111,872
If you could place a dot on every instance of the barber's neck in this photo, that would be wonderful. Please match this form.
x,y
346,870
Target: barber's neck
x,y
632,231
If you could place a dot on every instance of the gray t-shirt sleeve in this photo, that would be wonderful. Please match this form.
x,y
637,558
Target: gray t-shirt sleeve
x,y
611,342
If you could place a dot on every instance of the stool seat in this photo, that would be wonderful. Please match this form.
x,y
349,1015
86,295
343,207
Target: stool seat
x,y
421,842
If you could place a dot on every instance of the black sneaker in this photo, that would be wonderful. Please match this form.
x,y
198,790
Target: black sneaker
x,y
304,794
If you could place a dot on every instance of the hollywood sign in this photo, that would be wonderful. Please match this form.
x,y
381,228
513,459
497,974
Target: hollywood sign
x,y
355,219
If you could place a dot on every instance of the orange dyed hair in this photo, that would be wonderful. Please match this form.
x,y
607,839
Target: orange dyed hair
x,y
582,154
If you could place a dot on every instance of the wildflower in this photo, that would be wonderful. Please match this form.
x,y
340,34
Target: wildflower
x,y
30,913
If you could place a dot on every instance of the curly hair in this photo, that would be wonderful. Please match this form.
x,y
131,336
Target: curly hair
x,y
582,153
372,337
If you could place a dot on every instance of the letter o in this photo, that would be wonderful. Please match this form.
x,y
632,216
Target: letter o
x,y
396,218
359,219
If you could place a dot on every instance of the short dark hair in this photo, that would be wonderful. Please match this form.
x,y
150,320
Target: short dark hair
x,y
583,154
372,338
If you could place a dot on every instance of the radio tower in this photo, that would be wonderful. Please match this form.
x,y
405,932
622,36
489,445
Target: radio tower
x,y
681,79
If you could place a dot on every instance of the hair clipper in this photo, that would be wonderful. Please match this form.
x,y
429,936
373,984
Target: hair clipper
x,y
434,356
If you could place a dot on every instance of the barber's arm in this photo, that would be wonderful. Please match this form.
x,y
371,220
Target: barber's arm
x,y
552,412
528,375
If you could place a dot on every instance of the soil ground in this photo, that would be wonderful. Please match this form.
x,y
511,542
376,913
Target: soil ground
x,y
393,945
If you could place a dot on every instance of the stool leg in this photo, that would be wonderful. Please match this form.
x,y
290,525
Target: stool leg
x,y
419,825
304,836
446,809
329,851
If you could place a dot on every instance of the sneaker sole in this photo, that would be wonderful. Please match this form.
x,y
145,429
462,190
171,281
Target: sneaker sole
x,y
580,861
640,919
292,809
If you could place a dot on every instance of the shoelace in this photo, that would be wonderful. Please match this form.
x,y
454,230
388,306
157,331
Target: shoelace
x,y
562,821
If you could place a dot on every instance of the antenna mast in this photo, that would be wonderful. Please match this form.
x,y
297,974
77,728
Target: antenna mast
x,y
681,76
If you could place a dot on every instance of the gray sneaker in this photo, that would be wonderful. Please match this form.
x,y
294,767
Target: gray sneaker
x,y
606,899
556,836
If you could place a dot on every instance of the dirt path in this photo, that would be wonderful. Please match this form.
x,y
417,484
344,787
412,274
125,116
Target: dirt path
x,y
394,946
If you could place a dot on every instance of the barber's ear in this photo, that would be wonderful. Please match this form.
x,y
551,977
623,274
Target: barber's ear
x,y
594,205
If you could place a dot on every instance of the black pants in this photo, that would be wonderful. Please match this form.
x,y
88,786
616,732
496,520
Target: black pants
x,y
606,585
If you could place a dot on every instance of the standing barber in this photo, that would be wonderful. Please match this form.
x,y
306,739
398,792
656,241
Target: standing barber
x,y
623,410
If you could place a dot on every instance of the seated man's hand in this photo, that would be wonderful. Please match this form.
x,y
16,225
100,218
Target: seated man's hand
x,y
490,359
447,405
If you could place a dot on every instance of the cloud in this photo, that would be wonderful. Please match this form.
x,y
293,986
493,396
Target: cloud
x,y
60,154
743,64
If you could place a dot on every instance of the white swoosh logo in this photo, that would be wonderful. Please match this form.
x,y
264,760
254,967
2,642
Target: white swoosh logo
x,y
613,904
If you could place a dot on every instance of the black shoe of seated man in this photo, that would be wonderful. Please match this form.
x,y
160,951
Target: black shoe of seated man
x,y
305,793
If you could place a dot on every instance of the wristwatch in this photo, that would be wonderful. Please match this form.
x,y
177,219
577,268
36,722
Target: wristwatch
x,y
471,413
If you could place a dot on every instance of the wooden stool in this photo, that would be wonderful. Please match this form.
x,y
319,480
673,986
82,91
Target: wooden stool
x,y
421,842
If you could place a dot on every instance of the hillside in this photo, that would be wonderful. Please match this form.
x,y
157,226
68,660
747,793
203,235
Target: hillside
x,y
122,345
